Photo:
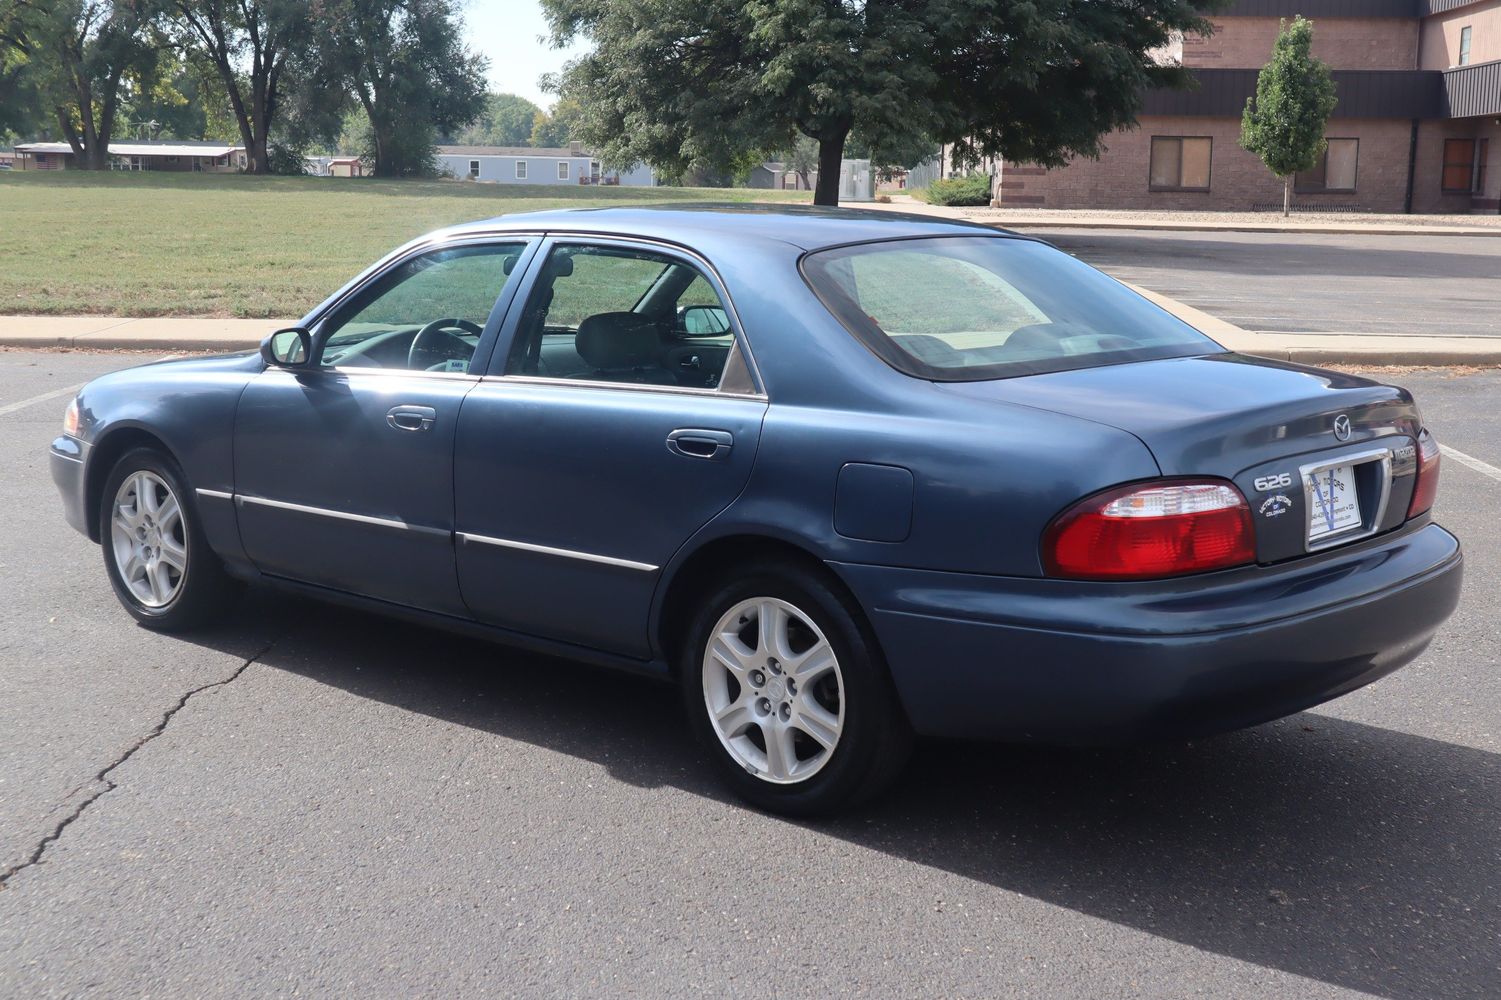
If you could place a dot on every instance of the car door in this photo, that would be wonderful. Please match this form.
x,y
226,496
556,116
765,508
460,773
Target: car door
x,y
344,470
596,446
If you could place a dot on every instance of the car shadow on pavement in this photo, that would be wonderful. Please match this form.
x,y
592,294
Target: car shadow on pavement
x,y
1363,857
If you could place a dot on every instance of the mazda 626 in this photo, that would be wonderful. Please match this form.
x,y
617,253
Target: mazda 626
x,y
843,478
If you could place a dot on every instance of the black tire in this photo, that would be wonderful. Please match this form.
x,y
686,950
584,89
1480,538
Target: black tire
x,y
876,738
204,591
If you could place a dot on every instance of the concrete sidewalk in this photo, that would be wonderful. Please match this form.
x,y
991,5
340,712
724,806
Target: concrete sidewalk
x,y
124,333
189,334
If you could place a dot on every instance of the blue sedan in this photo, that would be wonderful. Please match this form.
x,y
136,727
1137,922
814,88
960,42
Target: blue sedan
x,y
843,477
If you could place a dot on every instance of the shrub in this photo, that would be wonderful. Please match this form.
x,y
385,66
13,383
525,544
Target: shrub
x,y
971,190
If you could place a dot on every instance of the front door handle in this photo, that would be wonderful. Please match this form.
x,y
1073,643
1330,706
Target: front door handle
x,y
412,418
694,442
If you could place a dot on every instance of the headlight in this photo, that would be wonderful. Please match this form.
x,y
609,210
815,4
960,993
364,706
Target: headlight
x,y
70,419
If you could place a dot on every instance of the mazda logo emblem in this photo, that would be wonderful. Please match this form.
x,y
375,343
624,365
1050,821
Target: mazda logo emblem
x,y
1342,427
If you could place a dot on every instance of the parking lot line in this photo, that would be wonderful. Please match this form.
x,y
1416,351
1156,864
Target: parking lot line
x,y
1484,468
9,408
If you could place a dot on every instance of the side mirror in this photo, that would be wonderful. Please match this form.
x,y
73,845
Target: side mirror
x,y
703,321
289,348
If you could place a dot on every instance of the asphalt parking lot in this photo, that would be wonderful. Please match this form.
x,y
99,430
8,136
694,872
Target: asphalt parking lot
x,y
311,801
1356,284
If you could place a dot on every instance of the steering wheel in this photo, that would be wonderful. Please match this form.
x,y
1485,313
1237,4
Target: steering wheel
x,y
434,344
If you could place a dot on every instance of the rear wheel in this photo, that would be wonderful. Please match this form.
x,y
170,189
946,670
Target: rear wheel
x,y
155,553
788,692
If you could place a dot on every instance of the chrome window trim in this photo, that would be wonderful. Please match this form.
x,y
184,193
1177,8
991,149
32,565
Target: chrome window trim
x,y
412,373
1352,459
548,550
579,383
380,522
647,243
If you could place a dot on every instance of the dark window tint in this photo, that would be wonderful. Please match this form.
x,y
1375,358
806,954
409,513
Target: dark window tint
x,y
965,309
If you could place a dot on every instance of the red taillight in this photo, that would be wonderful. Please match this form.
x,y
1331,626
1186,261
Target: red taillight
x,y
1425,484
1146,531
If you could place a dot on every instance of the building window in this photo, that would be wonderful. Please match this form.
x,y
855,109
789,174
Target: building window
x,y
521,170
1464,46
473,168
1335,170
562,170
1180,163
1464,165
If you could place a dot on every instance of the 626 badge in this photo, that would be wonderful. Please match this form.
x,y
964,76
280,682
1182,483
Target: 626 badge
x,y
1280,481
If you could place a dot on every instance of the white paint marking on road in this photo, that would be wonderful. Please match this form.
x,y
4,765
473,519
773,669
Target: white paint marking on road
x,y
1484,468
9,408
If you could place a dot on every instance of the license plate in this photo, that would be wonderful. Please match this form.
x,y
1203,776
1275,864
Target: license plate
x,y
1333,504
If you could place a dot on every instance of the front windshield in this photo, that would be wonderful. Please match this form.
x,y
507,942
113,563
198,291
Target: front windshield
x,y
972,308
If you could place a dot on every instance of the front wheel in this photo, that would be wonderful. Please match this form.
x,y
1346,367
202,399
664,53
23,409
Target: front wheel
x,y
155,552
787,690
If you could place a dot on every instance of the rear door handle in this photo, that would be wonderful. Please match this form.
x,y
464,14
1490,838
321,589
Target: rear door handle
x,y
694,442
412,418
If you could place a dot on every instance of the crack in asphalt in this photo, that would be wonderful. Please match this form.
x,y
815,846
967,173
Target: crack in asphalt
x,y
103,776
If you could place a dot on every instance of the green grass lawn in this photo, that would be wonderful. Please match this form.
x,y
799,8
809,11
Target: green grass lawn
x,y
158,244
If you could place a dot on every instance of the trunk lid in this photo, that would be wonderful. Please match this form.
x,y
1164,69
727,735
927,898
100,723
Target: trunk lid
x,y
1260,423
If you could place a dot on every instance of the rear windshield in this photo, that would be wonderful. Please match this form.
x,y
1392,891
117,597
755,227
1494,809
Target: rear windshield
x,y
960,309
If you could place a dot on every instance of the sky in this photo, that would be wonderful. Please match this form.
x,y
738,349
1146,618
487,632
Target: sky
x,y
511,33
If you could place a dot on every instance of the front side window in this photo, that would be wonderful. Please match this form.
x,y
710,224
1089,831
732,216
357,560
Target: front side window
x,y
521,170
1464,46
1180,163
1335,170
974,308
425,314
1464,165
617,314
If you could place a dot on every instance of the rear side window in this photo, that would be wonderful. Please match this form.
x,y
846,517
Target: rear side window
x,y
973,308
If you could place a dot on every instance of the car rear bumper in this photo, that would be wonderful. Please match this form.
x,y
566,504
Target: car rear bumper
x,y
1092,663
68,456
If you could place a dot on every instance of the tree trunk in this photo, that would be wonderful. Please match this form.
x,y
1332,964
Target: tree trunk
x,y
830,156
1287,195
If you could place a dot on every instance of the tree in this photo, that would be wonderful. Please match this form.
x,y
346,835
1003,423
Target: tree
x,y
249,43
1284,123
76,54
556,130
407,66
684,82
506,121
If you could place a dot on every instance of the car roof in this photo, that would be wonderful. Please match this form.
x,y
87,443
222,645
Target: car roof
x,y
803,226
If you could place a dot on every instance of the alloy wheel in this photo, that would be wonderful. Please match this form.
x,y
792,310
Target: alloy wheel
x,y
149,538
773,690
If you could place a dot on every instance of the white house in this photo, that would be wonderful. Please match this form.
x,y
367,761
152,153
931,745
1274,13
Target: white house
x,y
535,165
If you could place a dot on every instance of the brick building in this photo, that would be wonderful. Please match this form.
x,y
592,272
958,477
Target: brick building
x,y
1415,130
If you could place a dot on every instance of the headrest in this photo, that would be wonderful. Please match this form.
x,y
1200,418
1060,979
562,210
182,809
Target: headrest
x,y
560,265
617,340
509,264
